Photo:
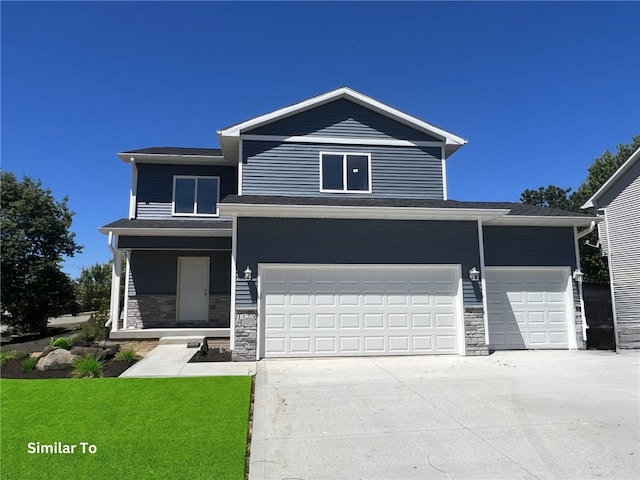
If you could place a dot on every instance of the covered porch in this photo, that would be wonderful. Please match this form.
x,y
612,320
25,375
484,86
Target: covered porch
x,y
177,278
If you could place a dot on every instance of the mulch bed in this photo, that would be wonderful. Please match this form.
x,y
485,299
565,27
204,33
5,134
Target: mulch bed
x,y
12,369
213,355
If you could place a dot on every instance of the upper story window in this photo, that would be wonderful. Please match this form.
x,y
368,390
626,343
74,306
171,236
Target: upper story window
x,y
345,172
196,195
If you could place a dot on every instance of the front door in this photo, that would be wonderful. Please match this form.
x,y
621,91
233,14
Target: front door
x,y
193,289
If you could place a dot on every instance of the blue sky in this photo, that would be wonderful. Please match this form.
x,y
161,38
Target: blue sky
x,y
539,89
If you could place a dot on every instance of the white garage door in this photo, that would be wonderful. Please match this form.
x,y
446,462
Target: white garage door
x,y
527,308
332,310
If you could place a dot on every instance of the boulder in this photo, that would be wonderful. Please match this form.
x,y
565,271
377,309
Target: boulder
x,y
99,353
111,347
56,360
48,349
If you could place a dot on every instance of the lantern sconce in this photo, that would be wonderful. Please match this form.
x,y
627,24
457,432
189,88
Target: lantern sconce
x,y
578,275
248,273
474,275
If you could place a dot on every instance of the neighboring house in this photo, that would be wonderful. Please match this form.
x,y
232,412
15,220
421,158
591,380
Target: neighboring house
x,y
324,228
618,204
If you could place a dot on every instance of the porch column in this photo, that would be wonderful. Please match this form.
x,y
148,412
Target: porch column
x,y
116,273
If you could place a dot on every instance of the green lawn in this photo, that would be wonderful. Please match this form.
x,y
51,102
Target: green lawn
x,y
167,428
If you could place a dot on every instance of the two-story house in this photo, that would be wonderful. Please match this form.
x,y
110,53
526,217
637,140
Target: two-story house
x,y
324,229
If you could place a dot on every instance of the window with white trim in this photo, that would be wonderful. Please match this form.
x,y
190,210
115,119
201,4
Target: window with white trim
x,y
196,195
345,172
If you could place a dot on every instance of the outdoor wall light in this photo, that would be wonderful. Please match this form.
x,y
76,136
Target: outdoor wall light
x,y
578,276
248,274
474,274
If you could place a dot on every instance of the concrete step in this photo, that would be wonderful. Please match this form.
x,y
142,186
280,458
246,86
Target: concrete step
x,y
176,340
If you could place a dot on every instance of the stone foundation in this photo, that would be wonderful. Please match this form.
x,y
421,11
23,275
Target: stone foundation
x,y
246,338
159,311
474,334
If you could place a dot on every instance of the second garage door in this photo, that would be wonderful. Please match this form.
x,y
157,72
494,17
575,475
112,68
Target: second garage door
x,y
337,310
528,308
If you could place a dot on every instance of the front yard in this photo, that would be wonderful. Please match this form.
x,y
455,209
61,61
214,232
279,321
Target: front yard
x,y
138,428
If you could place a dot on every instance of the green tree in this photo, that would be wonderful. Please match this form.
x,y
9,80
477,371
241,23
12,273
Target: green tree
x,y
551,196
94,287
35,234
593,264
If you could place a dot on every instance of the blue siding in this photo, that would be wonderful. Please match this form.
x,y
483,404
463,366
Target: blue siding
x,y
156,272
338,241
273,168
187,243
342,118
155,185
529,246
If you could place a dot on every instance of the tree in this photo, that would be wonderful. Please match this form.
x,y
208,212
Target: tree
x,y
35,234
94,287
592,263
552,196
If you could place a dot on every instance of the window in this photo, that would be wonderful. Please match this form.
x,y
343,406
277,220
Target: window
x,y
345,172
196,195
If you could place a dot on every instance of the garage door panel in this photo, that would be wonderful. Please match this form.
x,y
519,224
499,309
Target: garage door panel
x,y
334,311
530,313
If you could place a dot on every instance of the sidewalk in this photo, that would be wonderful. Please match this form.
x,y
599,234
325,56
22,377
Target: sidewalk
x,y
171,361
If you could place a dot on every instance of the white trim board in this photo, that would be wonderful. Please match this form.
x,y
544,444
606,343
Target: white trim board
x,y
341,140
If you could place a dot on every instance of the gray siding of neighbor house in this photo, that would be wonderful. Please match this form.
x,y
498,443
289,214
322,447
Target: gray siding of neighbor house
x,y
186,243
529,246
275,168
156,272
342,118
155,185
340,241
622,203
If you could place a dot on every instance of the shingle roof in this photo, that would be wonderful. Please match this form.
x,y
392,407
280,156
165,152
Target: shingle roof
x,y
173,224
516,209
200,152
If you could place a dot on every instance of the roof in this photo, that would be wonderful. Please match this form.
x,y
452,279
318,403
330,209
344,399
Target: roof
x,y
183,155
507,213
592,202
229,136
171,227
201,152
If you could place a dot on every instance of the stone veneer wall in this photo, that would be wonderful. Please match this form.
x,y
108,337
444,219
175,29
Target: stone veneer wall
x,y
246,335
159,311
474,334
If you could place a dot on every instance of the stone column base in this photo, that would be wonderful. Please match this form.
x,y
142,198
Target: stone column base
x,y
474,334
246,336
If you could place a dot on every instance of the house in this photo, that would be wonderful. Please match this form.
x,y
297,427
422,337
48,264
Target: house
x,y
324,229
618,204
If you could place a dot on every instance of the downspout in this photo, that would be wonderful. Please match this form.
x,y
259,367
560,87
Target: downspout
x,y
586,232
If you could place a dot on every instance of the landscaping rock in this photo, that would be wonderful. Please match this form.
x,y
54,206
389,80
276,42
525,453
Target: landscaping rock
x,y
47,351
57,359
99,353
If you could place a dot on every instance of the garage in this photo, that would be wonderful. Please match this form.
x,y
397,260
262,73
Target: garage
x,y
528,308
359,310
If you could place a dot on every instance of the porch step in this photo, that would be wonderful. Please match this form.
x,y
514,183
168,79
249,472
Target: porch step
x,y
175,340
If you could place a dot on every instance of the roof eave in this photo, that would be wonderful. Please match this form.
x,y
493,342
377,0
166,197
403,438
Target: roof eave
x,y
358,212
127,157
542,221
167,232
592,202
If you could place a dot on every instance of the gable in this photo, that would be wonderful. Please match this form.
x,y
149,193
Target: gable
x,y
341,118
626,184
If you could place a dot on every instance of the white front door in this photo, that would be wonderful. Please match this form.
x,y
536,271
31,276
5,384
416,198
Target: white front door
x,y
338,310
193,289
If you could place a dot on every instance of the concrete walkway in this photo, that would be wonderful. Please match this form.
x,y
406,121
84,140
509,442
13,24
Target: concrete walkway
x,y
171,361
512,415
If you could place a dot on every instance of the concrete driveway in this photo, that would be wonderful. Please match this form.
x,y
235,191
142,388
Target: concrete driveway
x,y
510,415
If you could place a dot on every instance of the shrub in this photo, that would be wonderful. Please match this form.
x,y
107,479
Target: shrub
x,y
88,367
29,364
93,329
127,355
8,355
61,342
